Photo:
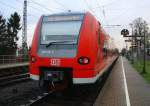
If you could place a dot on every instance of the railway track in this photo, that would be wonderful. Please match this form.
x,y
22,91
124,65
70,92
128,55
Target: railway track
x,y
81,96
39,98
13,76
4,81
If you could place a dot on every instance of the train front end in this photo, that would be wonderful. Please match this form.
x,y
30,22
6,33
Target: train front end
x,y
56,57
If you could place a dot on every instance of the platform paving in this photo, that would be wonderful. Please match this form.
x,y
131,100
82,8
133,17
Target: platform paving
x,y
113,92
12,65
139,89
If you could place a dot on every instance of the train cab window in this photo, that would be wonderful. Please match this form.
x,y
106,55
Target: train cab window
x,y
58,31
59,35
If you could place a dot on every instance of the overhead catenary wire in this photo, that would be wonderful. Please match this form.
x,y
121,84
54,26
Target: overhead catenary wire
x,y
37,9
105,5
33,7
42,6
89,6
119,15
98,4
104,15
108,4
17,9
90,9
9,6
60,4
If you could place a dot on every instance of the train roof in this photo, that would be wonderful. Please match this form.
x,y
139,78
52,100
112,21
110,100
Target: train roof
x,y
66,13
76,13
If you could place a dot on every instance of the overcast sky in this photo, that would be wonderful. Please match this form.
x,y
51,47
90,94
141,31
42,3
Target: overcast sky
x,y
108,12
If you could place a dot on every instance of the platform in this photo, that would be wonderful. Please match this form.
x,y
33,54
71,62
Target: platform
x,y
12,65
124,87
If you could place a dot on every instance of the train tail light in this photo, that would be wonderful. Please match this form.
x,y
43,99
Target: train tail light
x,y
83,60
33,59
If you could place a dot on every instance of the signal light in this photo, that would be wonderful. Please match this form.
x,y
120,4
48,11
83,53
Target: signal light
x,y
33,59
83,60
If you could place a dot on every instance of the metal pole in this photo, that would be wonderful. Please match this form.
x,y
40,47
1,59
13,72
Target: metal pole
x,y
144,53
24,28
132,45
126,50
135,45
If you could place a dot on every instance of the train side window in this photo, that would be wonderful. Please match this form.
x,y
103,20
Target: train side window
x,y
104,50
98,33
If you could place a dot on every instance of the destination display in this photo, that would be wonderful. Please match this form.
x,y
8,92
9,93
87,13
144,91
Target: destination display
x,y
63,18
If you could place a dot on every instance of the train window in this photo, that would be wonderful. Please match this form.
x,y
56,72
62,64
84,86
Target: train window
x,y
99,33
98,36
60,31
59,38
105,51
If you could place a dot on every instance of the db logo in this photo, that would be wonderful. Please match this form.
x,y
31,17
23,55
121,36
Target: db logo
x,y
55,62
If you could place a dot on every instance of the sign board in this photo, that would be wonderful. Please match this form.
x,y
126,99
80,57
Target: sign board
x,y
124,32
55,18
128,40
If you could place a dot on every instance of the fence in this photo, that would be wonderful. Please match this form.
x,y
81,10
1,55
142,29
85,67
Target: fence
x,y
8,59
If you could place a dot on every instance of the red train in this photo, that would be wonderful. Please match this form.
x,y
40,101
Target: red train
x,y
70,48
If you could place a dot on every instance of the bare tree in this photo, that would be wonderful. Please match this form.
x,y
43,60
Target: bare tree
x,y
140,27
140,33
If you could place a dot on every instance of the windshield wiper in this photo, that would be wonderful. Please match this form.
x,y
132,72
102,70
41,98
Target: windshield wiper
x,y
55,42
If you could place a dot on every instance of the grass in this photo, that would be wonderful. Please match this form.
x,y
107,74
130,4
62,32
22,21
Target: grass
x,y
138,65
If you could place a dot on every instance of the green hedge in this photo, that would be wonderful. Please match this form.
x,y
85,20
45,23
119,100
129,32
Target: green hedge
x,y
138,65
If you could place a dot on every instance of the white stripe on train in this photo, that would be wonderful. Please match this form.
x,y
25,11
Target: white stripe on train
x,y
80,80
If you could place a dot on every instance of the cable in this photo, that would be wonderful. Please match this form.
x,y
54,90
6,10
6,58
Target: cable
x,y
10,6
43,6
32,15
98,4
119,15
90,8
109,3
37,9
104,14
63,6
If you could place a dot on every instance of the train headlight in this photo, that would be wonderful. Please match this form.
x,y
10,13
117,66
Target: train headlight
x,y
33,59
83,60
